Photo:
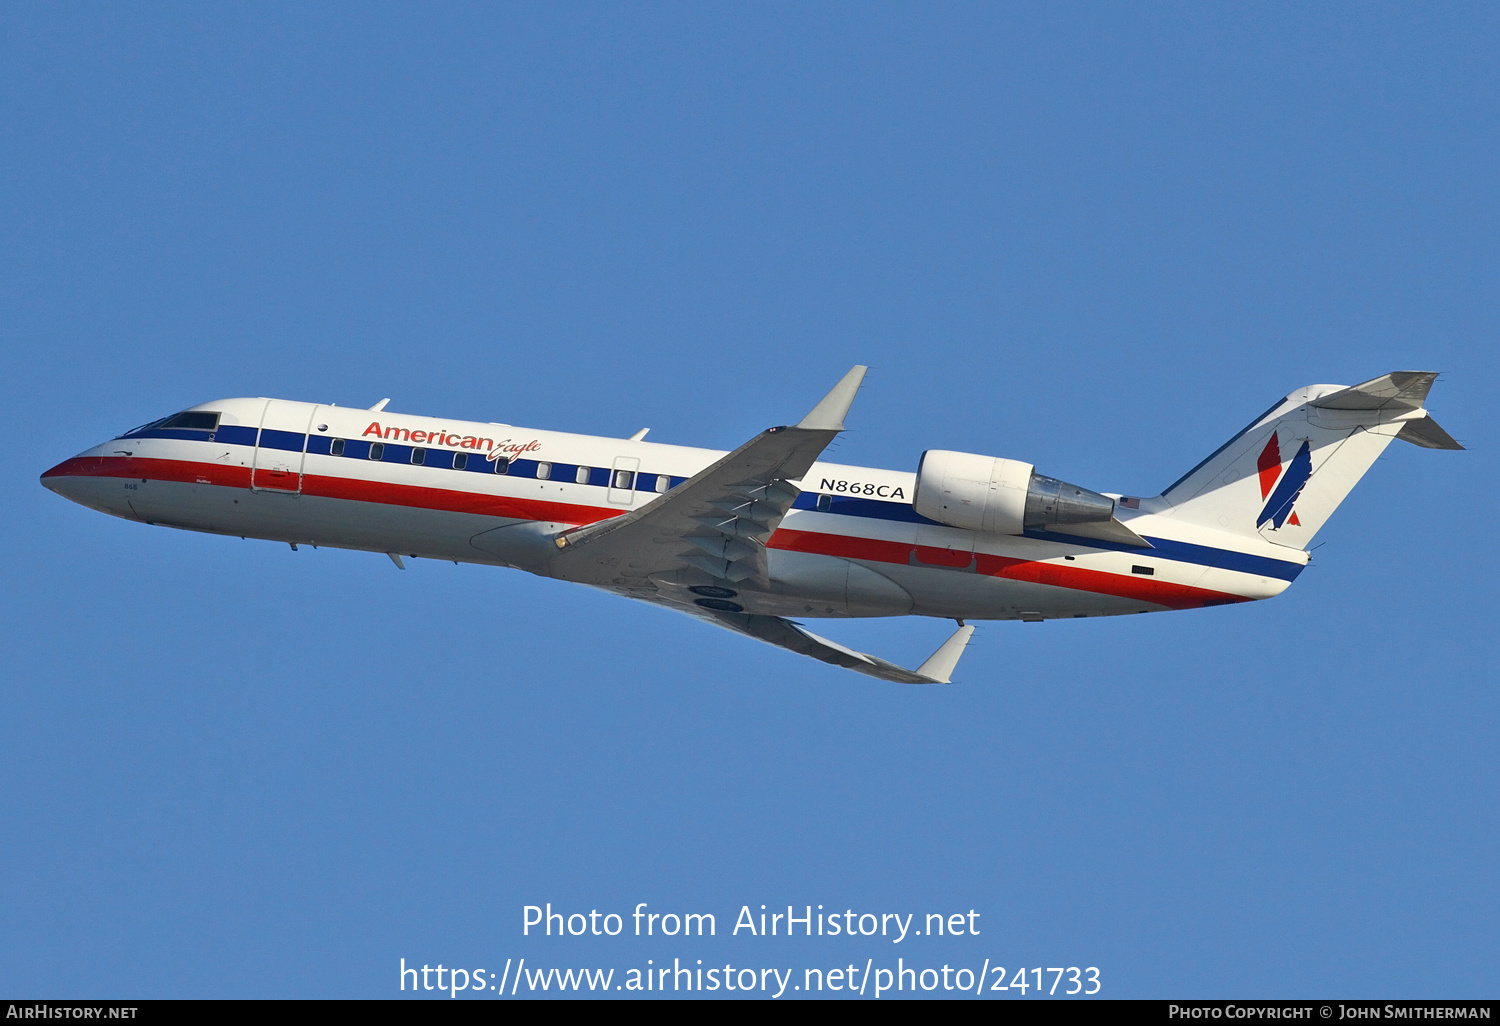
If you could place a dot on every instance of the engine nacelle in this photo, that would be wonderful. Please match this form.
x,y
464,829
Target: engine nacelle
x,y
978,493
1000,496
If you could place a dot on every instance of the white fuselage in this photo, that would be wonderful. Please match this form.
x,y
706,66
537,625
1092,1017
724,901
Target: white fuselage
x,y
851,546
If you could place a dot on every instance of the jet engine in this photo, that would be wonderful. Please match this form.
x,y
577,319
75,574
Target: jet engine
x,y
999,496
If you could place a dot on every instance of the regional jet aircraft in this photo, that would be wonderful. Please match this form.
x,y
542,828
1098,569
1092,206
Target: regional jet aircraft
x,y
749,540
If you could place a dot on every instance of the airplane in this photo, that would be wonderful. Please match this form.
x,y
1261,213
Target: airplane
x,y
758,539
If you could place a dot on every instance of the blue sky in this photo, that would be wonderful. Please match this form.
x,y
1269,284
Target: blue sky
x,y
1095,237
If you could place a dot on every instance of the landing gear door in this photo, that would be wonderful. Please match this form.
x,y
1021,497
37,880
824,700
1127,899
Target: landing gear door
x,y
281,447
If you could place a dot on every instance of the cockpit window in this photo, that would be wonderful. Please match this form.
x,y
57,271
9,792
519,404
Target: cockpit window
x,y
191,421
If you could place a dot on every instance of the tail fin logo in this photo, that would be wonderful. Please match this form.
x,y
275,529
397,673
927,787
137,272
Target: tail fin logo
x,y
1269,466
1283,488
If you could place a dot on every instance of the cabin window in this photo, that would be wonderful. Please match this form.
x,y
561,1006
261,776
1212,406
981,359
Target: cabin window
x,y
1148,571
502,465
336,448
825,503
663,482
543,471
377,450
460,460
418,457
624,479
581,475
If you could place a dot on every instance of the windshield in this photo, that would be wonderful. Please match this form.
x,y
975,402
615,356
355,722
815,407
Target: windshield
x,y
190,420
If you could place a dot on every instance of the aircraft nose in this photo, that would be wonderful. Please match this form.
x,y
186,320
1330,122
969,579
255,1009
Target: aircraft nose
x,y
59,478
74,479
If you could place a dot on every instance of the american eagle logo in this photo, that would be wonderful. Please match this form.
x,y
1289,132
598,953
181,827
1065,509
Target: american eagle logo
x,y
1282,488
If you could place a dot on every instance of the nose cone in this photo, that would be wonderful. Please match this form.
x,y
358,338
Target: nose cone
x,y
59,478
77,479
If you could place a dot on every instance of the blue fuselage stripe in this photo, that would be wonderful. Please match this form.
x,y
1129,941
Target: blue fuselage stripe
x,y
1182,552
839,505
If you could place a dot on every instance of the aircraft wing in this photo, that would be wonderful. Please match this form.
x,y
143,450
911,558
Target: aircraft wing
x,y
717,521
938,669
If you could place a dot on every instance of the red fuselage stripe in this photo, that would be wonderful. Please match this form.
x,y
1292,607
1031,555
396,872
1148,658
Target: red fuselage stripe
x,y
1160,593
445,499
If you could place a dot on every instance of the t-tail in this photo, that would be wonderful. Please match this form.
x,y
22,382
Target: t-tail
x,y
1285,474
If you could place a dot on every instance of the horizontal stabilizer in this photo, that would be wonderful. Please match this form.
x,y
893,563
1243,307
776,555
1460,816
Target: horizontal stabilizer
x,y
1397,390
1427,434
1394,393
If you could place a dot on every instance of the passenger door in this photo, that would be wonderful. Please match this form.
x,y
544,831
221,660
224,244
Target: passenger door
x,y
281,446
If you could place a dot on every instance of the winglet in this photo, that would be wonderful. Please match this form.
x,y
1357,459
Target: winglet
x,y
380,405
939,666
829,414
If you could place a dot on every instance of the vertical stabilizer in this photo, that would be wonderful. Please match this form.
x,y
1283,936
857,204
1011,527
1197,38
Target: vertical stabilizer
x,y
1284,475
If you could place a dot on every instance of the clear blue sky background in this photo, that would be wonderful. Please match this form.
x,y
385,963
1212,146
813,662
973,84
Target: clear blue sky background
x,y
1096,237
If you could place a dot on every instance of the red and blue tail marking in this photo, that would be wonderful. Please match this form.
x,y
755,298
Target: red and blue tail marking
x,y
1283,492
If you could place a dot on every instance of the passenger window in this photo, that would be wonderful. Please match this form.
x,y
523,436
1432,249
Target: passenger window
x,y
336,448
623,479
663,482
418,457
377,450
825,503
502,465
582,476
460,460
543,471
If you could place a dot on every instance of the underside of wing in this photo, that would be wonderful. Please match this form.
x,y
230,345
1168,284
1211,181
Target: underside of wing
x,y
774,630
